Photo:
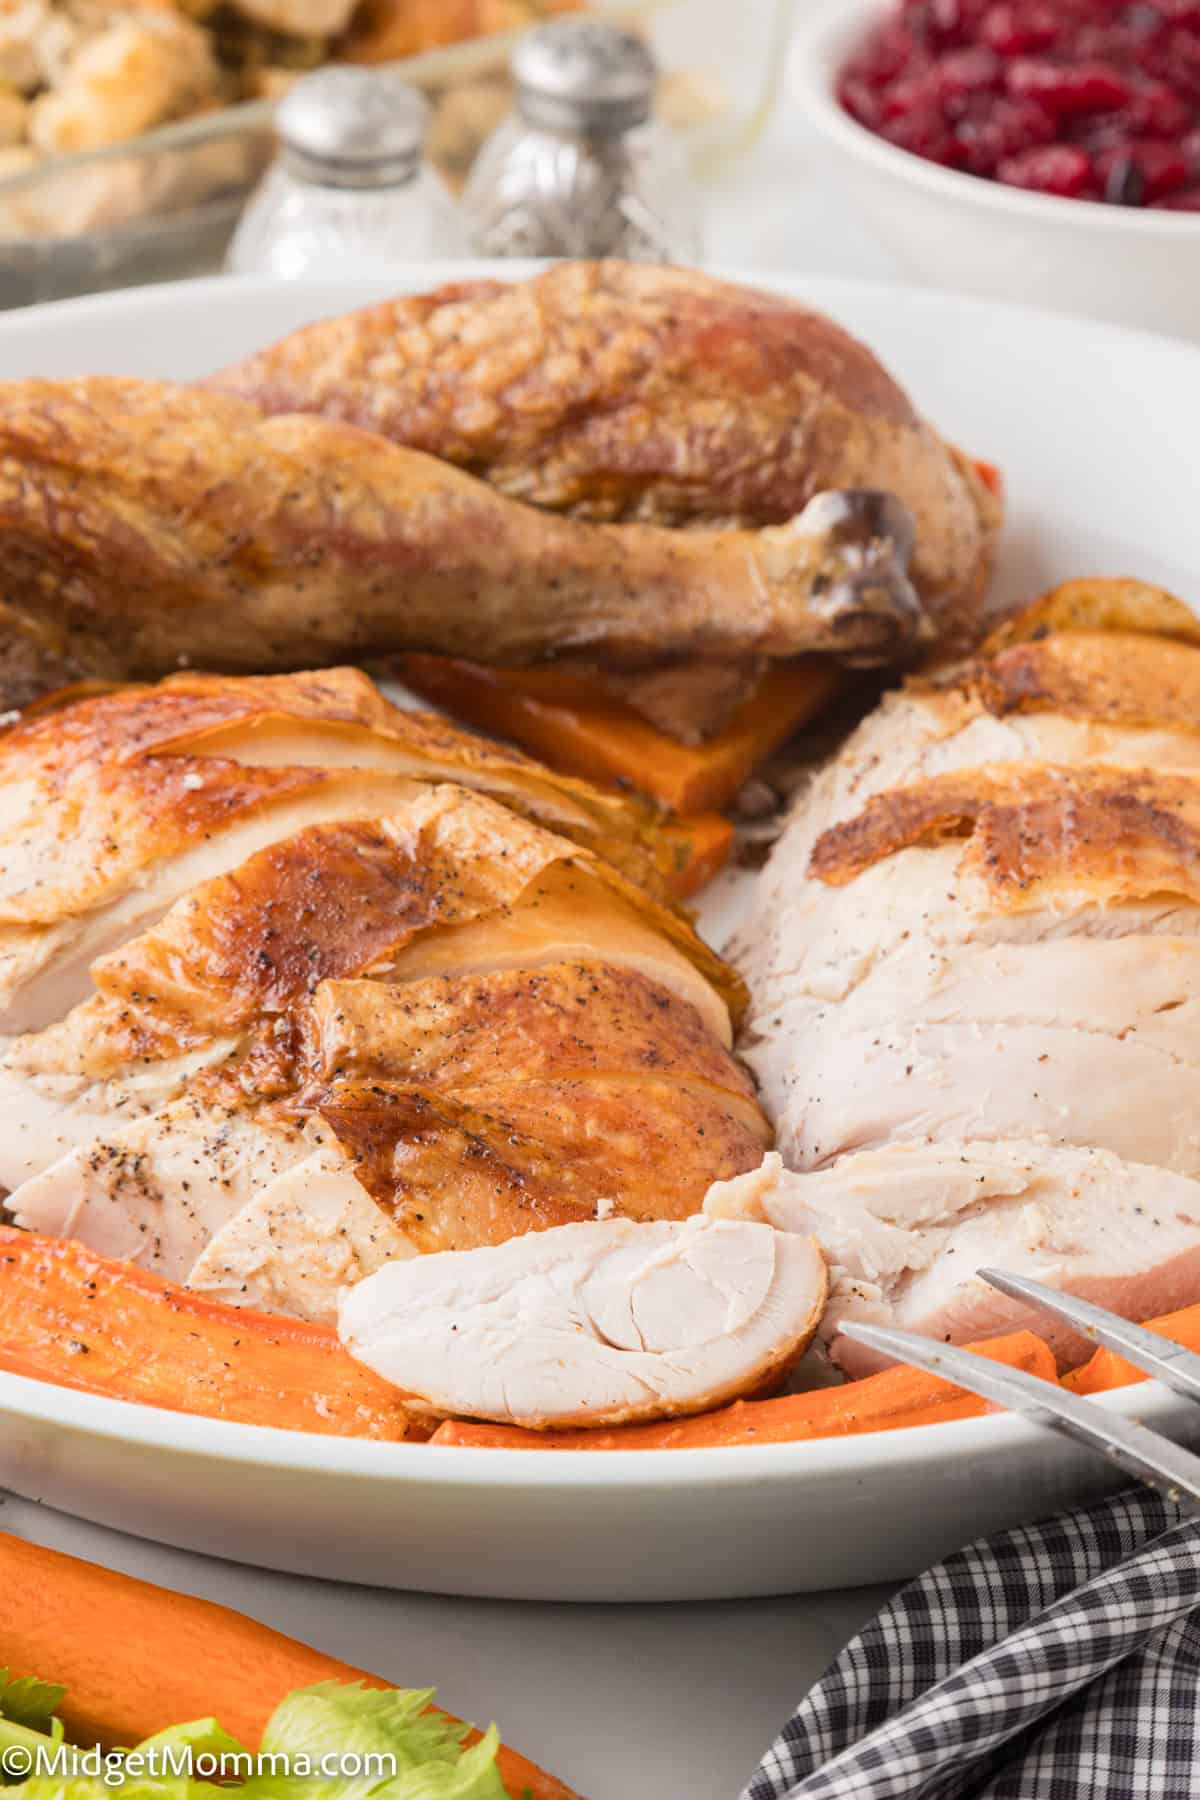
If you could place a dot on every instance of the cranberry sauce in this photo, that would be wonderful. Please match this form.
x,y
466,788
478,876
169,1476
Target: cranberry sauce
x,y
1083,98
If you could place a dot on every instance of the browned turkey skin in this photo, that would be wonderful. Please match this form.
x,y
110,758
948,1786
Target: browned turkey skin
x,y
145,527
617,391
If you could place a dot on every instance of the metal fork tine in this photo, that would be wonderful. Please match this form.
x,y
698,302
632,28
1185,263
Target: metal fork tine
x,y
1174,1366
1166,1466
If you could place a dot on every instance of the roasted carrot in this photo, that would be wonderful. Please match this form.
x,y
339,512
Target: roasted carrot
x,y
991,477
1107,1370
697,848
883,1402
564,719
83,1321
136,1658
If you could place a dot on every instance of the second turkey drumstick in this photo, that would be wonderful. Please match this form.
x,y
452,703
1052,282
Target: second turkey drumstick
x,y
145,527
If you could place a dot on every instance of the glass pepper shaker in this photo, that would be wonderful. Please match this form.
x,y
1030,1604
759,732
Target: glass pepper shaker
x,y
581,168
348,188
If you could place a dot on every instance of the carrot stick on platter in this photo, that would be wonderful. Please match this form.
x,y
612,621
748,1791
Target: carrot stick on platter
x,y
136,1659
84,1321
571,724
884,1402
1106,1370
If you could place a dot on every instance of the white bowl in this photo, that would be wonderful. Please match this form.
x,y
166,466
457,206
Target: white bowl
x,y
960,231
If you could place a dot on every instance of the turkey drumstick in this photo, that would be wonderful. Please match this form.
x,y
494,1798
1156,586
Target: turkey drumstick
x,y
624,392
145,527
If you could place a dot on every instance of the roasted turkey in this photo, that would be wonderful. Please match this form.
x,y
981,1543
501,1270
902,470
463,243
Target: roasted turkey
x,y
146,528
975,959
500,472
296,983
620,391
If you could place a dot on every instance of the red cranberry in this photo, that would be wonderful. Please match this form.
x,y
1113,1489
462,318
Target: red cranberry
x,y
1156,110
1159,167
1002,128
1068,88
923,131
860,100
964,77
1183,200
1015,30
1052,169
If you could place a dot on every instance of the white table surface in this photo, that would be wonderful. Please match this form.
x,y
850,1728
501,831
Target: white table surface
x,y
625,1703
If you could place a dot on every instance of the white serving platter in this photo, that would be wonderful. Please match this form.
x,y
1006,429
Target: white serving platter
x,y
1098,433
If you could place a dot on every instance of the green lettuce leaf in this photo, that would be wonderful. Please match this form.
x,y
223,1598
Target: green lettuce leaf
x,y
389,1729
395,1748
26,1701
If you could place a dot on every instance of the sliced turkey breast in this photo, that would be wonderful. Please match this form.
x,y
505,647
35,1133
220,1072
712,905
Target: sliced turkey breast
x,y
1081,699
44,967
156,1191
591,1325
905,1228
288,1002
338,719
975,957
945,1082
449,882
115,806
49,1106
298,1240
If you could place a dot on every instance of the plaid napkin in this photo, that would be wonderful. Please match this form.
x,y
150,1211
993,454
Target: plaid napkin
x,y
1058,1662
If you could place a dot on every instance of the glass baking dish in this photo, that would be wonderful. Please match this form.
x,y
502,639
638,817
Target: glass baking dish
x,y
164,205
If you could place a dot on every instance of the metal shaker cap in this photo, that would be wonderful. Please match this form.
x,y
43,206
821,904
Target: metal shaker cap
x,y
583,75
353,128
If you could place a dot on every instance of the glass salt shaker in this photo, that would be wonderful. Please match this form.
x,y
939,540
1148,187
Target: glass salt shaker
x,y
348,188
581,168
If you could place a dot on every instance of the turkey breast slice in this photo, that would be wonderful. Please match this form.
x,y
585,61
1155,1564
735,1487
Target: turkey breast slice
x,y
905,1229
44,1114
595,1324
156,1191
946,1082
44,969
924,731
309,1232
964,1043
917,920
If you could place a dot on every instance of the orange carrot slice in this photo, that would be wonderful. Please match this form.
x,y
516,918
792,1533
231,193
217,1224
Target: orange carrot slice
x,y
135,1658
564,719
697,848
883,1402
1107,1370
84,1321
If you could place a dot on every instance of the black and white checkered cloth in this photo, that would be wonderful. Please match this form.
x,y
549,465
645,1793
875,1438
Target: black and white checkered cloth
x,y
1058,1662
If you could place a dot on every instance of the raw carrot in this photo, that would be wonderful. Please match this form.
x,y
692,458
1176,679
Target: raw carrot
x,y
136,1658
566,720
83,1321
883,1402
1107,1370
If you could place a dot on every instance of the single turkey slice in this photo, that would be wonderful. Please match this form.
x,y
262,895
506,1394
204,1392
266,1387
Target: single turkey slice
x,y
906,1229
155,1191
45,968
309,1232
591,1324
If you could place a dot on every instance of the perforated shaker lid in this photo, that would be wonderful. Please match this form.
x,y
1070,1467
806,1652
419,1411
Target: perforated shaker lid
x,y
361,128
583,75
